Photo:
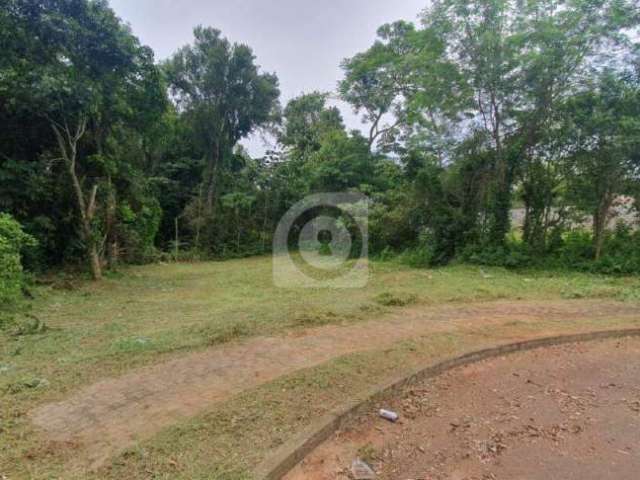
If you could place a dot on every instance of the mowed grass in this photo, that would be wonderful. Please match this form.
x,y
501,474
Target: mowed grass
x,y
146,314
232,438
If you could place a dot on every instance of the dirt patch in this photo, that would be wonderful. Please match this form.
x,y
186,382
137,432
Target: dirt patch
x,y
570,412
110,416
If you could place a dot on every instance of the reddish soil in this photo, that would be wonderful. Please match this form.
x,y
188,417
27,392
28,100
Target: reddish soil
x,y
568,412
114,414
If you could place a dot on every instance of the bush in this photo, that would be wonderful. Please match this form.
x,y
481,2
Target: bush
x,y
417,257
574,251
12,242
138,230
512,255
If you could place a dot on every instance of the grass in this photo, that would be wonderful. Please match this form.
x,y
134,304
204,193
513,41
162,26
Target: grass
x,y
232,438
146,314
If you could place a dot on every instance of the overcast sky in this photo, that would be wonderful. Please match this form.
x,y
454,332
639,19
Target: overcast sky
x,y
302,41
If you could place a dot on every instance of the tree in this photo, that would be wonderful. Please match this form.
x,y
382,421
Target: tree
x,y
219,89
307,120
491,70
405,79
603,133
105,156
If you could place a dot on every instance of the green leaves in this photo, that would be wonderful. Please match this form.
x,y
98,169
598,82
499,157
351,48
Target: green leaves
x,y
219,83
13,241
307,120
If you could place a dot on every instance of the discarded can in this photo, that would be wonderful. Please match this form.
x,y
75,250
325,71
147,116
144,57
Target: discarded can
x,y
389,415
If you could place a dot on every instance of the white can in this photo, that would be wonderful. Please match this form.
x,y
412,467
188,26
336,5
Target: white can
x,y
389,415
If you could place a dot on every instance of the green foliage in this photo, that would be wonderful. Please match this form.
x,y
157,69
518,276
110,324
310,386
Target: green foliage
x,y
575,251
138,230
493,92
13,241
421,256
83,92
392,300
307,120
509,255
325,249
110,157
223,97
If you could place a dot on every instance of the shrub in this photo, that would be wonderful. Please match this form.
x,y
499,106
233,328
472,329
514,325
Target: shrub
x,y
12,242
573,251
138,230
512,255
417,257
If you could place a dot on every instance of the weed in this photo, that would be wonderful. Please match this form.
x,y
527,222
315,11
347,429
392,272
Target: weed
x,y
368,453
227,333
131,345
315,319
28,325
26,384
392,300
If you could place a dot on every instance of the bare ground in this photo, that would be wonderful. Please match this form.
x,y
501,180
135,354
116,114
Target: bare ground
x,y
570,412
109,416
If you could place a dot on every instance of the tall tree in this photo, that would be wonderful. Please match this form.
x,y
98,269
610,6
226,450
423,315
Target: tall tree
x,y
492,70
307,119
402,82
603,136
218,87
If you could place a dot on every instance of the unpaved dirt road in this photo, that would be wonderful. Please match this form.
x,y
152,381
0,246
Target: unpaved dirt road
x,y
568,412
107,417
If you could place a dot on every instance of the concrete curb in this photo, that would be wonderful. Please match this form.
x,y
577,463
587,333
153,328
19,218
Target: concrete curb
x,y
296,449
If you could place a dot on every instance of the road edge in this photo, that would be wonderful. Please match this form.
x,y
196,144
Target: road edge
x,y
295,450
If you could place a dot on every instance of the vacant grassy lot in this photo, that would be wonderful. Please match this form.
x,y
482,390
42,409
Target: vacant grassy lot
x,y
146,314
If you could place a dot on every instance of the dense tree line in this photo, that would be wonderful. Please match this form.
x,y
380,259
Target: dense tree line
x,y
108,156
496,102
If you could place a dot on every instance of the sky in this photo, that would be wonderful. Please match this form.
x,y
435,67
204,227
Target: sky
x,y
302,41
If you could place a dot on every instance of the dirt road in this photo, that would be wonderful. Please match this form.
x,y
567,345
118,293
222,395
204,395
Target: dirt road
x,y
570,412
107,417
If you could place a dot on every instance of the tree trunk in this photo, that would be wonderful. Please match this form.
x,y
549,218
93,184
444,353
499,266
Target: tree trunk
x,y
177,240
501,215
264,221
210,184
94,261
91,244
600,219
199,221
212,177
238,231
68,144
110,221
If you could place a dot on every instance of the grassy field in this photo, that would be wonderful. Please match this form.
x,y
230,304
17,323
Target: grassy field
x,y
145,314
